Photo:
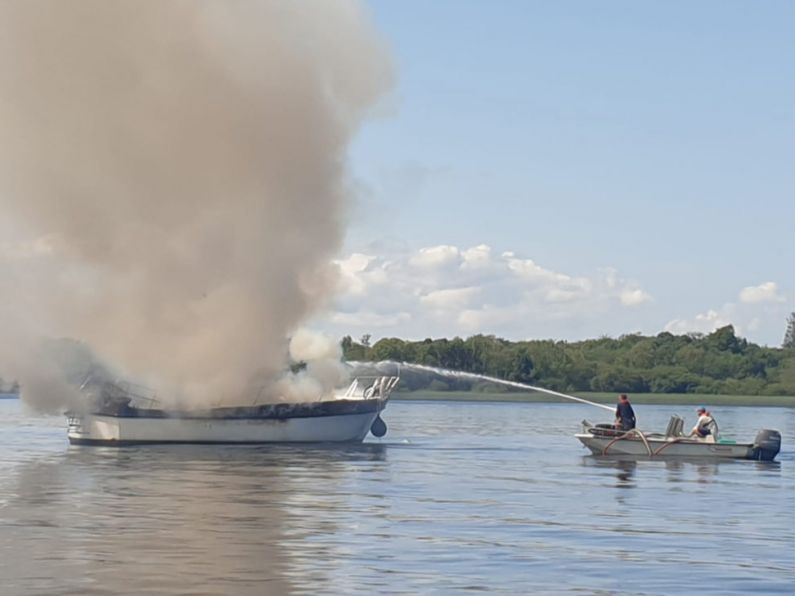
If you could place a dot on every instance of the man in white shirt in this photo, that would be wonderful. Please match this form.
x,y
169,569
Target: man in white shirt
x,y
706,427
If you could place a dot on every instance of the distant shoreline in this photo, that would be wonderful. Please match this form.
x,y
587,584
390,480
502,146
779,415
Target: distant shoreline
x,y
603,398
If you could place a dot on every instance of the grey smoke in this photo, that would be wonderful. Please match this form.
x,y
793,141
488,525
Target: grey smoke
x,y
173,181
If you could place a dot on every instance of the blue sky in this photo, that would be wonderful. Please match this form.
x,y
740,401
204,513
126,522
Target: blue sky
x,y
625,146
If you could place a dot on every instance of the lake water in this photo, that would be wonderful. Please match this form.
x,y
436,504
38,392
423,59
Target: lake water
x,y
457,497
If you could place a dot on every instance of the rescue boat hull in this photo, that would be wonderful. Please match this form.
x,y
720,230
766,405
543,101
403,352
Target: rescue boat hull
x,y
666,448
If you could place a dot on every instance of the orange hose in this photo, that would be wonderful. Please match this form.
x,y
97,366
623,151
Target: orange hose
x,y
626,435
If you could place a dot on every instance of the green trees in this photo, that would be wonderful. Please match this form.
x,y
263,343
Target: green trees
x,y
352,350
719,362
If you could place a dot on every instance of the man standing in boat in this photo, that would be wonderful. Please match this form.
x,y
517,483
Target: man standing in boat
x,y
625,415
706,425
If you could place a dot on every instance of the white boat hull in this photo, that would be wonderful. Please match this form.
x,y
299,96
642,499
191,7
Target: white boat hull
x,y
99,429
116,415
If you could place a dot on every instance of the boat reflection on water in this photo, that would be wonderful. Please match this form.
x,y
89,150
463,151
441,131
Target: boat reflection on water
x,y
708,469
677,470
705,470
189,519
625,468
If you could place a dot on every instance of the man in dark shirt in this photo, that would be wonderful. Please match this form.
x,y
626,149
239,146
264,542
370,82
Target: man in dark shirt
x,y
625,415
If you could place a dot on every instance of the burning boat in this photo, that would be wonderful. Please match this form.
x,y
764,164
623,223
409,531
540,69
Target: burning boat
x,y
121,414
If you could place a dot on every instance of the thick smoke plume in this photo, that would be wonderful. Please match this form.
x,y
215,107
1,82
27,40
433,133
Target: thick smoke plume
x,y
172,182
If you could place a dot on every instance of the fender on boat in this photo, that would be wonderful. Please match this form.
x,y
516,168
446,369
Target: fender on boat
x,y
378,427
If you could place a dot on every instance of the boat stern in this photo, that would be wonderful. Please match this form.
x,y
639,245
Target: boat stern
x,y
83,429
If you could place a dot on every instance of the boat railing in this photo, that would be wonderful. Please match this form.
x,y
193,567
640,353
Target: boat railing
x,y
136,395
371,387
141,396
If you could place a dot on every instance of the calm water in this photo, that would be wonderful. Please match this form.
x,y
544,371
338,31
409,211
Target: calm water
x,y
457,497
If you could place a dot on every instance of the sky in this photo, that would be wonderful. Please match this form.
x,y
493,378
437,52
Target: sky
x,y
575,169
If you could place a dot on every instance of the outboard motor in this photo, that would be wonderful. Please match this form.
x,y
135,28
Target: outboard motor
x,y
675,426
767,444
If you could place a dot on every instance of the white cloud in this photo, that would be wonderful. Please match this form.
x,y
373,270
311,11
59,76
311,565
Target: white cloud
x,y
367,319
477,257
446,290
355,263
750,316
766,292
634,297
456,298
529,270
435,256
561,295
476,321
357,275
702,323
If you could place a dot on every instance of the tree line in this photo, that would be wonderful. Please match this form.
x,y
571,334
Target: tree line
x,y
719,362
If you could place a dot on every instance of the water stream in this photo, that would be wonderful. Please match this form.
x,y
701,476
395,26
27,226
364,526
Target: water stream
x,y
459,374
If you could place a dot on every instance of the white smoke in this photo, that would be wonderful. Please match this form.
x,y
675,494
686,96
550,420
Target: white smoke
x,y
320,369
183,164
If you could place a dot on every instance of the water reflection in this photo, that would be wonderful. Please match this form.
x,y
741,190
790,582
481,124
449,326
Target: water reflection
x,y
678,469
624,467
461,497
197,519
626,472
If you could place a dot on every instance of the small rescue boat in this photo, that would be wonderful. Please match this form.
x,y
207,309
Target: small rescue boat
x,y
604,439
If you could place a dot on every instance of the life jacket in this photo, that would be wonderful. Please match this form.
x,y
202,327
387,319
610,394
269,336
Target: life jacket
x,y
708,426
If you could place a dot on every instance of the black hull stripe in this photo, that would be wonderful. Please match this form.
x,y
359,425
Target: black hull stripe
x,y
268,412
113,443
